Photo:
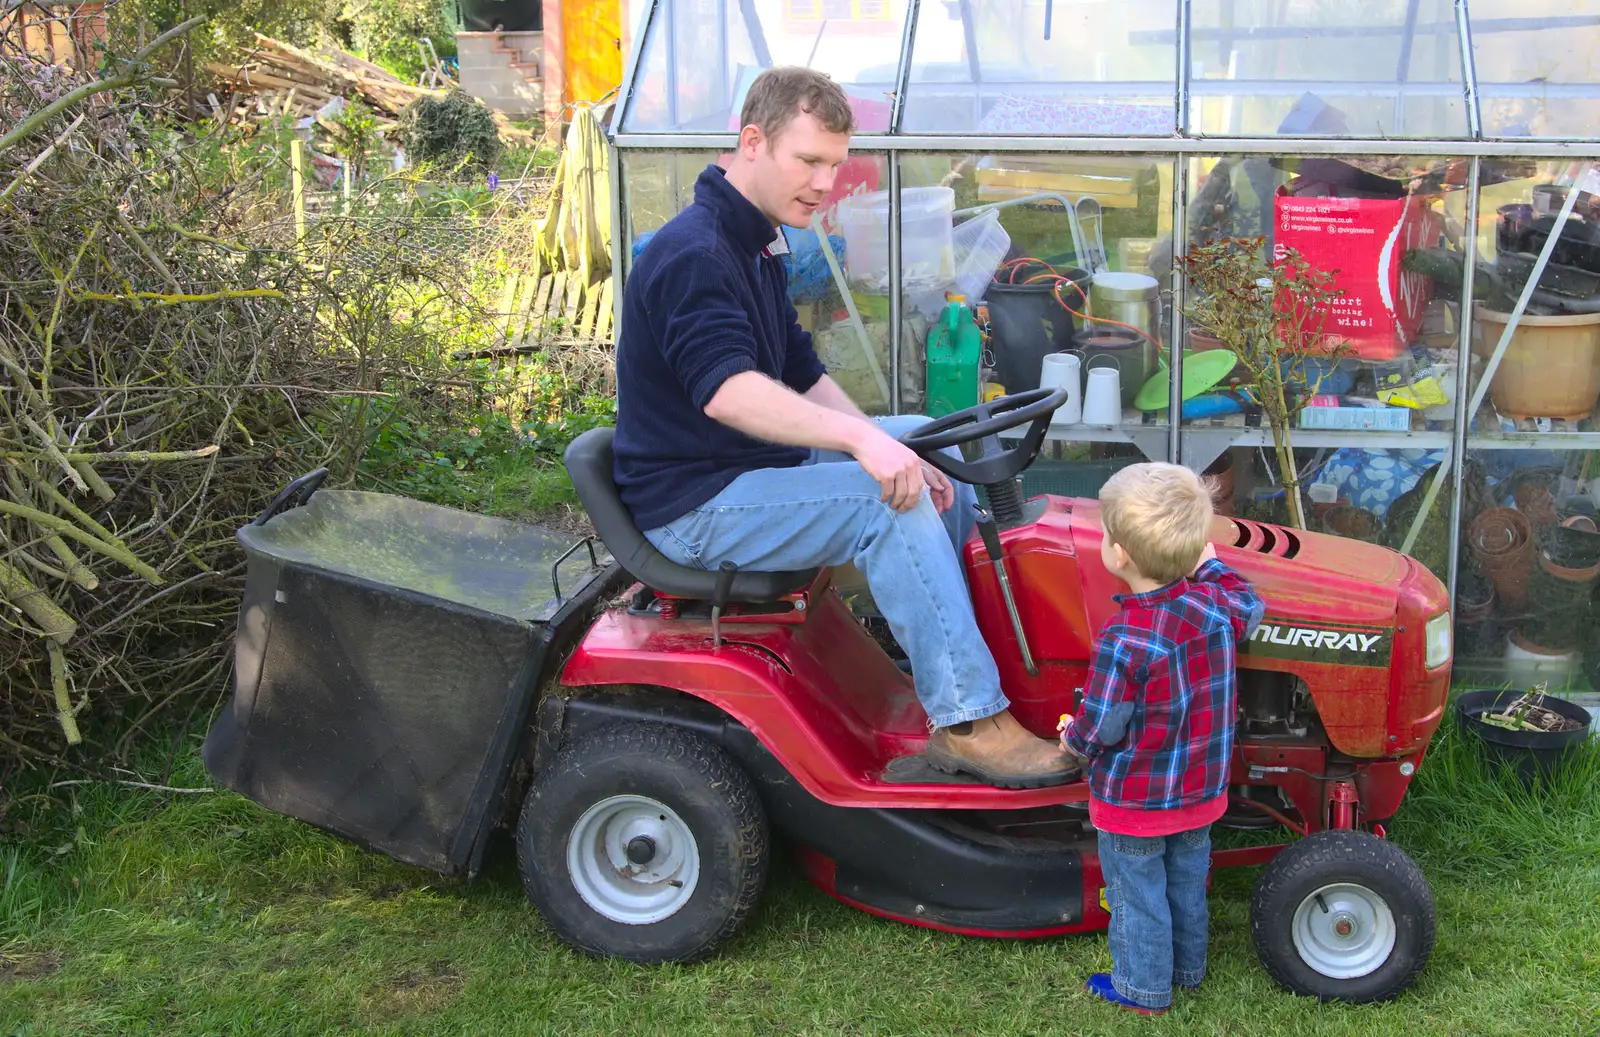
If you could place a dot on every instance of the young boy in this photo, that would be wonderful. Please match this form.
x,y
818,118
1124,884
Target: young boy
x,y
1156,728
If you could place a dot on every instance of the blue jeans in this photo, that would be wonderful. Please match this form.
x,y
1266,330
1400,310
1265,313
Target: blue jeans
x,y
1156,888
829,511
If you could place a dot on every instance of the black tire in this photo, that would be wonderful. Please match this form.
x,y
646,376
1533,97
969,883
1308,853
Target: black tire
x,y
1357,860
708,795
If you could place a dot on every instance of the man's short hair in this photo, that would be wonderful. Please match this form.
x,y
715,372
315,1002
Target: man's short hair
x,y
779,94
1161,514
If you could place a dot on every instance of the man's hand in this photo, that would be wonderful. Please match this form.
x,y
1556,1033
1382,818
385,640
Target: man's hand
x,y
944,495
1207,554
897,469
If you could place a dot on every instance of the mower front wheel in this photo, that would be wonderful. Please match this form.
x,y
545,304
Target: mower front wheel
x,y
1343,916
644,842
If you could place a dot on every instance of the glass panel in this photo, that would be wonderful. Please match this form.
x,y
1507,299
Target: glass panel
x,y
1385,343
656,186
1538,67
996,230
1030,67
1529,561
1371,495
1307,68
659,184
1529,565
1547,382
700,57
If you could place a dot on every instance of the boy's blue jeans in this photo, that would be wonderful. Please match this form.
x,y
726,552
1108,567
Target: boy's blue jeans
x,y
829,511
1156,887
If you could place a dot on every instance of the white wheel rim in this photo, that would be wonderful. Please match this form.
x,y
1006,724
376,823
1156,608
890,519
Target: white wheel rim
x,y
633,891
1344,931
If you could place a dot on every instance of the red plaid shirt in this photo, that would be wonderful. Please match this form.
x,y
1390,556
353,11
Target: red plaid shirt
x,y
1157,721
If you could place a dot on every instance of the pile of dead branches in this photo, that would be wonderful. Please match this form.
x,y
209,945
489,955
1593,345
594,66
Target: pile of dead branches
x,y
173,351
317,78
306,82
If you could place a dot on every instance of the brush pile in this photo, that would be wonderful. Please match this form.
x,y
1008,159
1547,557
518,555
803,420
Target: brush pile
x,y
315,78
173,351
307,83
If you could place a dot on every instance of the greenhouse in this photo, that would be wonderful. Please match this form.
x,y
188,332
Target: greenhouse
x,y
1064,174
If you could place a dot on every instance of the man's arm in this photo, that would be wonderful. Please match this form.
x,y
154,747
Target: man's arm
x,y
763,409
826,393
710,345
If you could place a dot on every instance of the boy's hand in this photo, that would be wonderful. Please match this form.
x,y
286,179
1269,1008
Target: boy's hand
x,y
1208,553
1061,726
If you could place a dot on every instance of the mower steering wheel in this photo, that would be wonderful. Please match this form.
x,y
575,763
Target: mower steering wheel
x,y
983,423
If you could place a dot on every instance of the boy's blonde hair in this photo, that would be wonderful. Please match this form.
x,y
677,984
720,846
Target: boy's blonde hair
x,y
1161,514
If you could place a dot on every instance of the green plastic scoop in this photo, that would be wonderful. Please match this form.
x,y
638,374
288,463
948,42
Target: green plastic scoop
x,y
1201,372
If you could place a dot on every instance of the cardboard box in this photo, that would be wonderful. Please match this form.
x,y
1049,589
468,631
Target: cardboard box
x,y
1356,419
1364,240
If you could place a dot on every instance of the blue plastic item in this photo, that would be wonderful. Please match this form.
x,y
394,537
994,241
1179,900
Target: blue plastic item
x,y
805,265
1211,405
1373,479
1338,377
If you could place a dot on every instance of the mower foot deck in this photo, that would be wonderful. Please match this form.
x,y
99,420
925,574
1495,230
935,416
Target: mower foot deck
x,y
917,770
920,769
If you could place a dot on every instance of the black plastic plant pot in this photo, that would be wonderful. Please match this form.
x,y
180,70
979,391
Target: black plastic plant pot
x,y
1530,753
1028,322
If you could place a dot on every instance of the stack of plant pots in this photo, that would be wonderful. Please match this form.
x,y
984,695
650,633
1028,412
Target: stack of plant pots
x,y
1501,541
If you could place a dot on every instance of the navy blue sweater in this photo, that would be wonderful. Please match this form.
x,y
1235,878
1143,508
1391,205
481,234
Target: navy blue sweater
x,y
706,300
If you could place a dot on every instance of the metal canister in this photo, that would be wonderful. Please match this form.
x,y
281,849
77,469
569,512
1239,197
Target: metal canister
x,y
1134,300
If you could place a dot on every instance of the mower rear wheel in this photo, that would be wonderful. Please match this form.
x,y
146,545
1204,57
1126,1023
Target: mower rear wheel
x,y
1343,916
643,842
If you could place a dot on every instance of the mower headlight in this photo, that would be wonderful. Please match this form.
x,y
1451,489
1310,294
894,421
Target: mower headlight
x,y
1438,641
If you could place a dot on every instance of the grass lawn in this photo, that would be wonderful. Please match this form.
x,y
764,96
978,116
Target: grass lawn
x,y
127,912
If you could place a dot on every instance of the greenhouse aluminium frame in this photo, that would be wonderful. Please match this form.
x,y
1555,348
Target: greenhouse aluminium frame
x,y
1477,145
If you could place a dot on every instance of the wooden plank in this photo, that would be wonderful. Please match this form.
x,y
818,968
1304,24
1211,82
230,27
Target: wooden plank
x,y
541,305
574,297
591,309
508,295
602,326
519,312
558,295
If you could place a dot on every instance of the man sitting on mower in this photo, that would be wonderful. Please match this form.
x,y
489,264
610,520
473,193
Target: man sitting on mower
x,y
733,444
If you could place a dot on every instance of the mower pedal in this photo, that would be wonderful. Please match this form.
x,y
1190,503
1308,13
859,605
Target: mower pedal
x,y
916,770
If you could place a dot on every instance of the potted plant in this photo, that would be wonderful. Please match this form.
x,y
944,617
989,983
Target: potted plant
x,y
1528,730
1270,315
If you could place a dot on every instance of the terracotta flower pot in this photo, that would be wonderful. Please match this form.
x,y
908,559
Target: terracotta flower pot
x,y
1574,545
1353,523
1220,475
1502,541
1586,574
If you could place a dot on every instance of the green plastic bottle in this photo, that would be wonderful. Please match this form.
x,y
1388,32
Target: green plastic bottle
x,y
955,352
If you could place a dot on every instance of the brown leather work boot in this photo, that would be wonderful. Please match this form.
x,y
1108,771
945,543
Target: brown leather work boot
x,y
1000,752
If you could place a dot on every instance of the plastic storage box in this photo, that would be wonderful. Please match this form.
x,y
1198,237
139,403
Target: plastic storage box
x,y
927,247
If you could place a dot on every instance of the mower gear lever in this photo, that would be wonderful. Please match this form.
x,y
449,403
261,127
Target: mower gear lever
x,y
719,600
991,544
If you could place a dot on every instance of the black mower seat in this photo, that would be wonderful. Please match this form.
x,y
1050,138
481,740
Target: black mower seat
x,y
589,462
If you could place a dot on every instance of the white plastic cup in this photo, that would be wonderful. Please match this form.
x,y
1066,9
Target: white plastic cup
x,y
1062,371
1102,398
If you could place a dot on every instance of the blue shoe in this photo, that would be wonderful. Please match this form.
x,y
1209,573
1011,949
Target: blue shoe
x,y
1100,986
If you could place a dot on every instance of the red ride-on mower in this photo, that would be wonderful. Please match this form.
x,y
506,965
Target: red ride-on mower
x,y
663,721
